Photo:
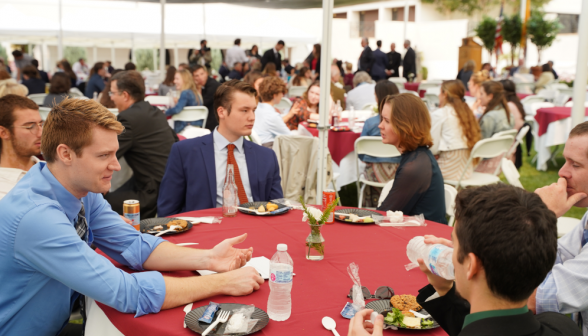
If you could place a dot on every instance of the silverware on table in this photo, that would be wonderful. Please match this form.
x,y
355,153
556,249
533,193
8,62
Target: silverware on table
x,y
223,316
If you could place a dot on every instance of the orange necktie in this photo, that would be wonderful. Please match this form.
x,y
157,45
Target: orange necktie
x,y
231,160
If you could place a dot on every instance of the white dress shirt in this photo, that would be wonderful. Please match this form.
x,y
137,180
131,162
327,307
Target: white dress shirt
x,y
446,131
360,96
78,68
235,54
9,177
220,164
268,123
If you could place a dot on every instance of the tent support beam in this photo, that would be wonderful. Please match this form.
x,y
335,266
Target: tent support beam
x,y
60,36
578,110
325,99
162,43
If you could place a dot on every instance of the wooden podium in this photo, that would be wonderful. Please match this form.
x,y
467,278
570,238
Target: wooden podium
x,y
470,50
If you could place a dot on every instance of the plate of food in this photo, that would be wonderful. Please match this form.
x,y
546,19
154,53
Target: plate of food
x,y
264,208
192,317
156,225
397,313
356,216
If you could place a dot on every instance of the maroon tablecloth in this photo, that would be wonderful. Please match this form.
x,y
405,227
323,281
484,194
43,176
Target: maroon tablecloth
x,y
319,288
547,115
523,95
340,143
414,87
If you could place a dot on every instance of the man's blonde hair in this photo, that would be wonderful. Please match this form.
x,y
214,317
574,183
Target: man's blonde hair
x,y
70,123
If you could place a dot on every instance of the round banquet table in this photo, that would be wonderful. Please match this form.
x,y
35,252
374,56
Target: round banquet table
x,y
319,289
414,86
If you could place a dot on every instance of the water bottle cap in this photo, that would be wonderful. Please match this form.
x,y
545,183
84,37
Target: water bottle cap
x,y
282,247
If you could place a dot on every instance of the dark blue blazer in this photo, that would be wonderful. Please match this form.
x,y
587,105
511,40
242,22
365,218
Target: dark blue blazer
x,y
379,67
189,182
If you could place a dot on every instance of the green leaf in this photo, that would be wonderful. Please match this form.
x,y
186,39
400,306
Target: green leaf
x,y
486,31
542,32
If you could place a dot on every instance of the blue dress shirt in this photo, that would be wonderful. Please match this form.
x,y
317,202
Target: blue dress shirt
x,y
187,98
220,164
44,264
370,128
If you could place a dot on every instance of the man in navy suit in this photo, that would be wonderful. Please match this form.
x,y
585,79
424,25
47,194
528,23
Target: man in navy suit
x,y
196,168
380,63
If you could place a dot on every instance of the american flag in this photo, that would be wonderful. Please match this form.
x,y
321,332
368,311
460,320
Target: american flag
x,y
498,35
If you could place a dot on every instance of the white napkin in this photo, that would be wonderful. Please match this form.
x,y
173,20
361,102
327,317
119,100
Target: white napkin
x,y
207,220
261,264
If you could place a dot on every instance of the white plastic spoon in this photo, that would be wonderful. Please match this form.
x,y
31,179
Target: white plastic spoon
x,y
330,324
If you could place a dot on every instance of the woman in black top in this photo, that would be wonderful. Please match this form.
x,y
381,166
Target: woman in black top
x,y
418,185
32,80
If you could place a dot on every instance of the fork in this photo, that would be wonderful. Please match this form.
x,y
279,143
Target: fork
x,y
172,228
223,317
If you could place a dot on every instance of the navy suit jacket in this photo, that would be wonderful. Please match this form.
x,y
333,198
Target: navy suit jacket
x,y
379,67
189,182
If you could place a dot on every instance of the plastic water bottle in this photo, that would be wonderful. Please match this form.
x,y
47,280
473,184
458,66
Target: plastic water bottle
x,y
437,257
279,303
351,118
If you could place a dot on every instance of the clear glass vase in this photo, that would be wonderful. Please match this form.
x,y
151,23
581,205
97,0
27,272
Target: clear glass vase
x,y
315,243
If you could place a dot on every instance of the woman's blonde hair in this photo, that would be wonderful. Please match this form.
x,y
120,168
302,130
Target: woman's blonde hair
x,y
455,91
480,77
410,119
10,86
189,82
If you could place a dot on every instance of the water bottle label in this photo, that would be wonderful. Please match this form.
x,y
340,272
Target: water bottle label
x,y
281,277
434,256
135,218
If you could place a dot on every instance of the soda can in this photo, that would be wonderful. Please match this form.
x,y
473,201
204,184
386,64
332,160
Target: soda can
x,y
132,211
328,197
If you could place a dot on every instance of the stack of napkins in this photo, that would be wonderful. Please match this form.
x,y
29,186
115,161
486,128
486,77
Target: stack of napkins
x,y
261,264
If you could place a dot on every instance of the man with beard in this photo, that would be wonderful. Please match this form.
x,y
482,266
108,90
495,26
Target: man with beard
x,y
20,139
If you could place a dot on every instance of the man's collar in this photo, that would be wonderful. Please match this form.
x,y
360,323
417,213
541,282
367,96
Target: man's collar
x,y
222,142
71,205
493,313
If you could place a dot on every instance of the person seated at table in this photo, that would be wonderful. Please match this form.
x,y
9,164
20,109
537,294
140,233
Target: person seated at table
x,y
466,72
56,212
168,83
44,76
348,78
474,85
455,131
268,123
189,96
58,89
32,80
197,168
64,66
237,72
20,139
497,116
145,144
305,107
418,184
337,92
8,85
302,78
545,78
208,87
378,169
96,83
130,66
104,96
363,92
517,111
494,280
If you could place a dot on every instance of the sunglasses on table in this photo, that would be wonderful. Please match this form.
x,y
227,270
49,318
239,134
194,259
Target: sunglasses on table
x,y
383,292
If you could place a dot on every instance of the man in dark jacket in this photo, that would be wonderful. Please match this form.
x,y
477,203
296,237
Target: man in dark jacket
x,y
145,143
209,86
380,63
273,56
394,61
366,59
409,62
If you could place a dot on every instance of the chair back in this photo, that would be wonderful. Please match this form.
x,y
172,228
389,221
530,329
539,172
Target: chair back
x,y
532,107
284,105
450,194
44,112
159,100
385,192
38,98
369,107
296,91
414,93
113,111
565,225
397,80
373,146
433,100
571,104
512,132
191,132
491,147
192,113
75,93
548,94
255,138
511,173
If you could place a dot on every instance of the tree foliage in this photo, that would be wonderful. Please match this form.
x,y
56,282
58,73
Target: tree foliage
x,y
542,32
512,29
471,6
73,54
486,31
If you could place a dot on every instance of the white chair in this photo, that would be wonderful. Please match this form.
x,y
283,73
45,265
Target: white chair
x,y
159,100
254,138
113,111
296,91
548,94
511,132
565,225
433,101
284,105
531,108
532,99
450,194
369,107
524,87
38,98
398,80
433,83
192,113
571,104
385,191
191,132
414,93
436,90
44,112
484,149
511,173
76,93
372,146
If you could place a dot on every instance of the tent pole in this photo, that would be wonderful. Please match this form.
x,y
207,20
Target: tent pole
x,y
176,56
405,19
578,110
204,20
162,43
325,99
154,59
60,36
133,51
112,52
43,61
95,55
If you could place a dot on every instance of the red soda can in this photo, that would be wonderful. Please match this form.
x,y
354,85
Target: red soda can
x,y
328,197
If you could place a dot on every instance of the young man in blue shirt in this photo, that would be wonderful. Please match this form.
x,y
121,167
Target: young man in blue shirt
x,y
56,212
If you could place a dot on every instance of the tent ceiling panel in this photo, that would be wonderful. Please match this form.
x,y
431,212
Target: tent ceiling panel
x,y
292,4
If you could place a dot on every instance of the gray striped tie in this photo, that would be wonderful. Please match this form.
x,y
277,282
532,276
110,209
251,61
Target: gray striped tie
x,y
82,225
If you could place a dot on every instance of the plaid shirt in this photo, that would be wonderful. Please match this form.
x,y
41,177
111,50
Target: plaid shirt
x,y
565,289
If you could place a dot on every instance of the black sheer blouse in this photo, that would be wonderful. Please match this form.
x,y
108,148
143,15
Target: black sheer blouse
x,y
418,187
